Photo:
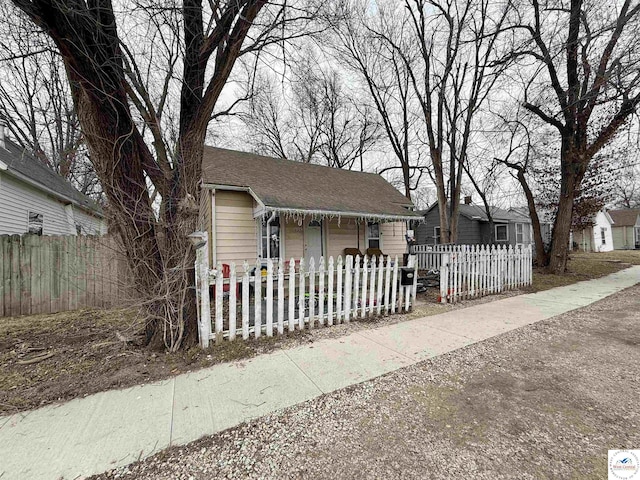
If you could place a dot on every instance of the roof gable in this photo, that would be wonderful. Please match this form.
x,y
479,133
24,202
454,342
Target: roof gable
x,y
301,187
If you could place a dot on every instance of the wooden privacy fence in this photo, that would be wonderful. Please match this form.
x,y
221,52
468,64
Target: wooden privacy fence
x,y
292,295
51,274
468,271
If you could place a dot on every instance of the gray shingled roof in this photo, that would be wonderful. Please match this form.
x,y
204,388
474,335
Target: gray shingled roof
x,y
477,212
624,218
23,165
286,185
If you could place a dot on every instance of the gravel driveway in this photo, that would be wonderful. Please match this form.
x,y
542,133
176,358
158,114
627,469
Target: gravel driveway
x,y
544,401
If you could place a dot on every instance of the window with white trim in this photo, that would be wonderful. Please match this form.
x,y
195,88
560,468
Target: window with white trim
x,y
519,233
603,235
36,223
502,233
373,235
436,235
270,238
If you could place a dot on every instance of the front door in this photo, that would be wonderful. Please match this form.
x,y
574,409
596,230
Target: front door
x,y
313,241
637,235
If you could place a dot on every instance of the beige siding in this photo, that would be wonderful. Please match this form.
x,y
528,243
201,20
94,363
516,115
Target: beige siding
x,y
293,240
393,238
18,198
344,235
235,228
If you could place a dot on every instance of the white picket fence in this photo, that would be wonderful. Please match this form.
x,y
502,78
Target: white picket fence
x,y
291,295
469,271
429,257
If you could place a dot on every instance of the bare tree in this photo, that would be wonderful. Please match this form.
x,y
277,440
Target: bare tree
x,y
36,106
440,55
308,117
585,85
121,96
385,76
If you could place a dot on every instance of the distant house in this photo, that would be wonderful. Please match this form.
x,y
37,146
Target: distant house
x,y
626,228
34,199
595,238
257,207
510,227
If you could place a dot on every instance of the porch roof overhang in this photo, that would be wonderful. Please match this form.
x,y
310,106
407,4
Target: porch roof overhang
x,y
263,209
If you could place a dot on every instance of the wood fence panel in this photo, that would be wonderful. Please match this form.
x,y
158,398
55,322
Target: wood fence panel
x,y
50,274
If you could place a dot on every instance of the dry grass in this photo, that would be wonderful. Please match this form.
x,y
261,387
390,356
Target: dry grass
x,y
89,356
586,266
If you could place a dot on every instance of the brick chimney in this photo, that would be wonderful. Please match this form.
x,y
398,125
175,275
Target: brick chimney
x,y
467,200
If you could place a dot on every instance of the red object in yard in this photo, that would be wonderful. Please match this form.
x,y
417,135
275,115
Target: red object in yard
x,y
226,273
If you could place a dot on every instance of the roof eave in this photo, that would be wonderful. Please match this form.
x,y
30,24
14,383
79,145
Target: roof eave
x,y
389,217
49,191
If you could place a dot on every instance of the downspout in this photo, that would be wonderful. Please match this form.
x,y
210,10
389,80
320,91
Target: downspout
x,y
271,219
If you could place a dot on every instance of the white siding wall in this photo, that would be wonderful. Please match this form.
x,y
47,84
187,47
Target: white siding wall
x,y
18,198
235,228
91,225
602,222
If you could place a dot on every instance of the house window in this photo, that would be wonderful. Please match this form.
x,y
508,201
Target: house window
x,y
270,238
502,233
519,233
78,229
436,235
36,223
603,237
373,235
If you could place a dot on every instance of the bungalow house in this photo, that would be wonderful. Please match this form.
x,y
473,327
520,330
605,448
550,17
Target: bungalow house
x,y
595,238
510,227
255,207
625,229
34,199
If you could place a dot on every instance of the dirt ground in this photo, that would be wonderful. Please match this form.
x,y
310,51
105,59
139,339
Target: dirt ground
x,y
82,352
543,401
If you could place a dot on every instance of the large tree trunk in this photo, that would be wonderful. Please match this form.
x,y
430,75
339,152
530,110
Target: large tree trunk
x,y
542,257
573,169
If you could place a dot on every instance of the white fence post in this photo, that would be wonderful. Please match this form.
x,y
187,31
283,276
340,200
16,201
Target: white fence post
x,y
312,292
363,296
330,293
301,295
372,285
292,294
202,283
280,296
444,278
233,301
245,301
339,291
219,302
348,277
355,301
380,285
257,296
321,273
387,286
394,286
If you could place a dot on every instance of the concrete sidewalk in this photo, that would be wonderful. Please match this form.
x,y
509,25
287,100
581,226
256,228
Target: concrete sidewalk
x,y
110,429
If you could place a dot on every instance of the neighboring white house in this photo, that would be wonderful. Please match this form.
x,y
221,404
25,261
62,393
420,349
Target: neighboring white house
x,y
34,199
598,238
